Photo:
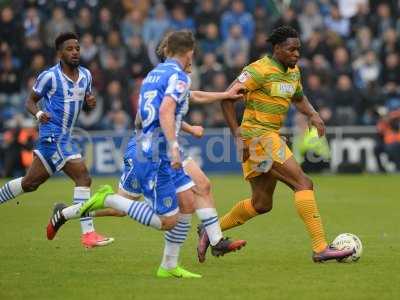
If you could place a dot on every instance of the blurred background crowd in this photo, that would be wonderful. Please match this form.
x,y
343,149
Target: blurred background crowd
x,y
350,52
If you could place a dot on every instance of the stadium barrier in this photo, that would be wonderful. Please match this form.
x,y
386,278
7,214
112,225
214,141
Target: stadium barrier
x,y
216,151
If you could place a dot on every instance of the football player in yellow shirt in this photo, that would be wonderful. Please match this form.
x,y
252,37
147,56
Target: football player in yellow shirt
x,y
270,86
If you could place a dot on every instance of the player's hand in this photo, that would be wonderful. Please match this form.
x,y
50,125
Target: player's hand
x,y
43,117
175,156
197,131
315,120
235,92
90,100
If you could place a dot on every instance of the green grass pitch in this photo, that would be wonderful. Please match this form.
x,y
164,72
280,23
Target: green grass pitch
x,y
276,263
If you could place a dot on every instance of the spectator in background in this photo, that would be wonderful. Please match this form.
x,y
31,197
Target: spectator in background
x,y
260,46
154,28
341,62
361,19
347,101
104,25
237,16
382,20
58,23
84,22
207,71
316,44
211,41
362,42
336,23
262,22
89,49
115,97
390,71
349,8
321,67
390,44
138,59
10,30
180,20
115,49
10,76
206,15
31,23
288,18
132,25
234,45
310,20
367,69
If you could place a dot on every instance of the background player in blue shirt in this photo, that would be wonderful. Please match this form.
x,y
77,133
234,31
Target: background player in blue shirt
x,y
61,90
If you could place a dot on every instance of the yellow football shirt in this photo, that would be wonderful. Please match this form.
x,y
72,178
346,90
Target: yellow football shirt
x,y
269,90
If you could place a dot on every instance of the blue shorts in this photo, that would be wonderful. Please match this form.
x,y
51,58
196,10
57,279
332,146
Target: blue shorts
x,y
55,154
157,181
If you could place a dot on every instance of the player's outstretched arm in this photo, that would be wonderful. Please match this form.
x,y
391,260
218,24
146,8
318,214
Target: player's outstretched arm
x,y
31,107
167,122
304,106
196,131
228,108
202,97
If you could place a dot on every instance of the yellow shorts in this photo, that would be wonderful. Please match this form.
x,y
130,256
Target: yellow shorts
x,y
263,151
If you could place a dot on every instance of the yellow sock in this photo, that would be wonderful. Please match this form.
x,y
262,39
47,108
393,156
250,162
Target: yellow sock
x,y
308,211
238,215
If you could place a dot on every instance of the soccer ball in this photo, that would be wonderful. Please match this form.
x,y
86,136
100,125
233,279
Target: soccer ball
x,y
348,241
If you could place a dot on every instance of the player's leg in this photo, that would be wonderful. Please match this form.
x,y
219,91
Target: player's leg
x,y
167,203
209,231
293,176
35,176
262,189
77,171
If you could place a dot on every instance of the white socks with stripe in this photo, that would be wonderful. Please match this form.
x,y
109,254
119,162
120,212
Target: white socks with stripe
x,y
82,194
137,210
209,219
11,190
174,239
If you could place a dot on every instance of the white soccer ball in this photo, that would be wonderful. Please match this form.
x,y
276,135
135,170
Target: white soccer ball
x,y
348,241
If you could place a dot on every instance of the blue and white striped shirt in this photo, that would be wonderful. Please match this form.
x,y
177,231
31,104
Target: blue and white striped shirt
x,y
62,98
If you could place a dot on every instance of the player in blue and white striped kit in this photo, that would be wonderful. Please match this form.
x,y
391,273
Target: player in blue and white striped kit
x,y
147,167
61,90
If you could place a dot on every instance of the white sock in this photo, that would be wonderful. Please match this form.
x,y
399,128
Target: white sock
x,y
137,210
72,212
209,219
11,190
82,194
174,239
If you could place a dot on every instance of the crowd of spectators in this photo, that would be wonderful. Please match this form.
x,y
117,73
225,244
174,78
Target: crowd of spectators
x,y
350,51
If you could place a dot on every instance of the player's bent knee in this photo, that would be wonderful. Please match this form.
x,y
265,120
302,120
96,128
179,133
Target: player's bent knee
x,y
262,207
305,184
30,185
167,223
203,187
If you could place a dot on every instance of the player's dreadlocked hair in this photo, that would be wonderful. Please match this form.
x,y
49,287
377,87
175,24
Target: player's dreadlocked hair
x,y
281,34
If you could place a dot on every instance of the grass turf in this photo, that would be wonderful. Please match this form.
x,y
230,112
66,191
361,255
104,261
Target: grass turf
x,y
276,264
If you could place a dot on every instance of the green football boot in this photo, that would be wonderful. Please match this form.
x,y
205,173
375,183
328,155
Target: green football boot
x,y
96,202
177,272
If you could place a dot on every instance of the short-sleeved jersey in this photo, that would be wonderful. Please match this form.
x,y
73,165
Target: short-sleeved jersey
x,y
62,98
166,79
269,90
